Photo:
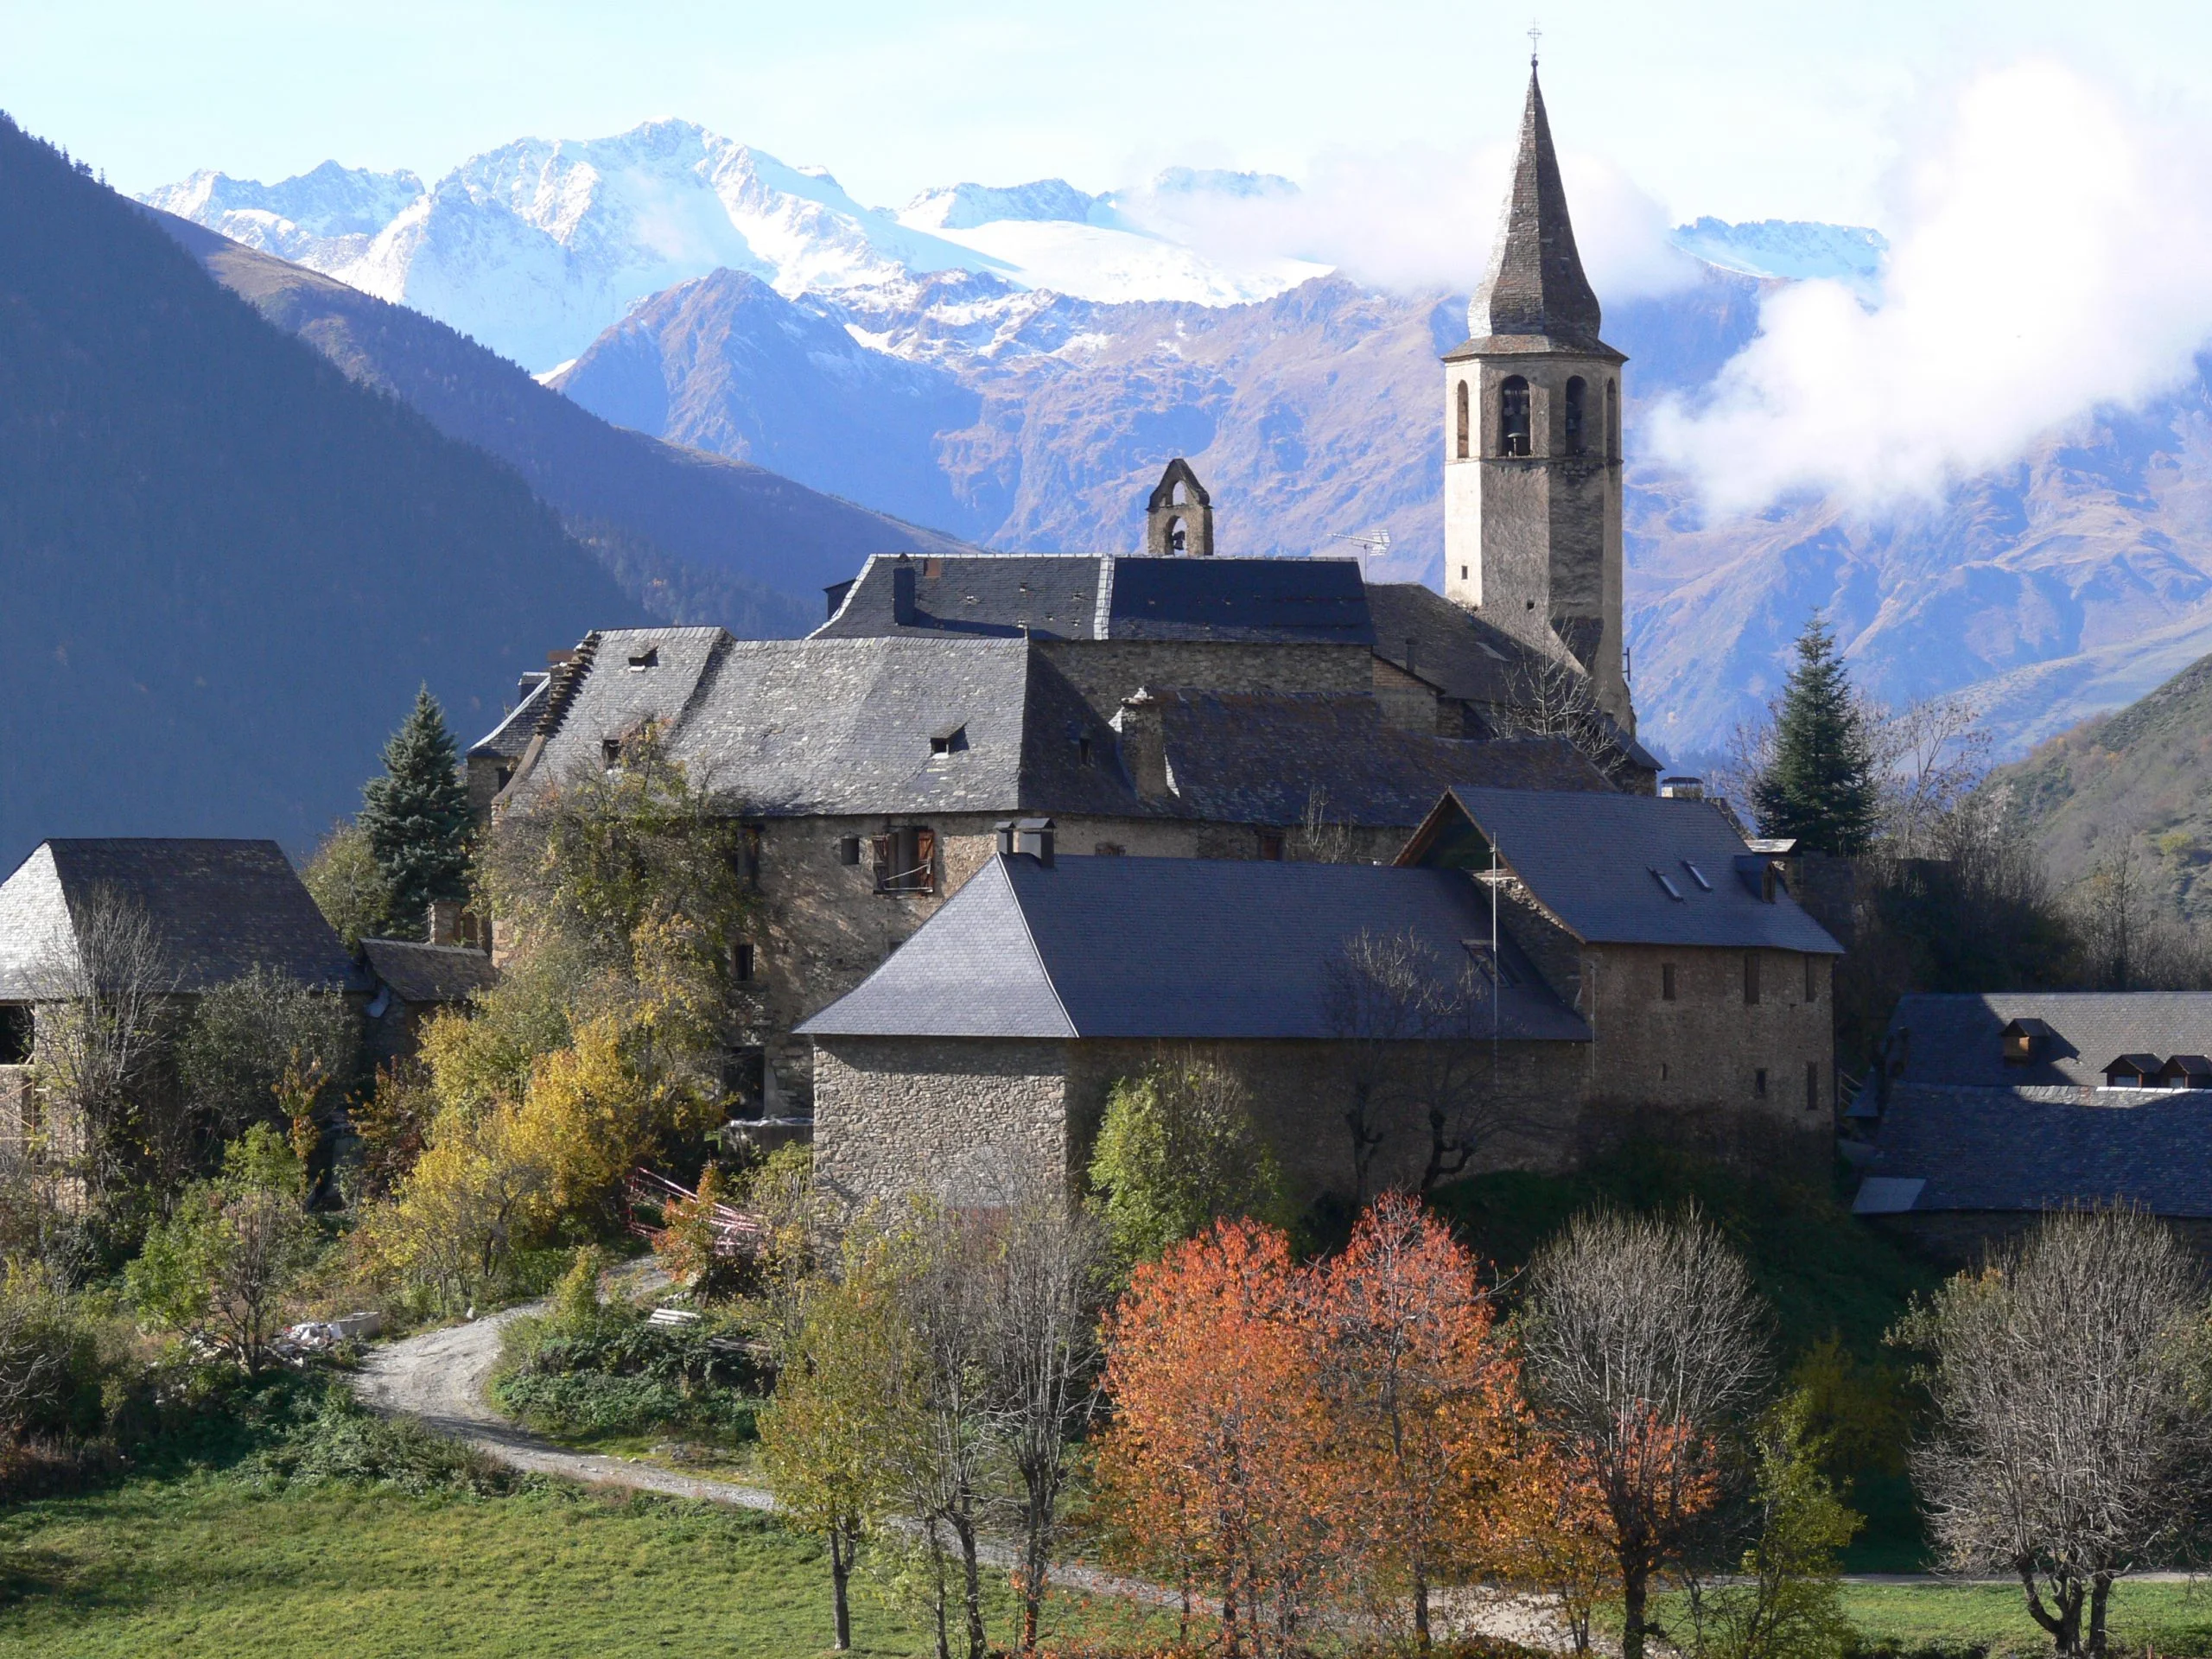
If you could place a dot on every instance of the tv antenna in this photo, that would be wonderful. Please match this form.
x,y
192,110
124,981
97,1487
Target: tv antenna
x,y
1371,543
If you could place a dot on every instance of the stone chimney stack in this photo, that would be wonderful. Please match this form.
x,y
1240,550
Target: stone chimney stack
x,y
1144,744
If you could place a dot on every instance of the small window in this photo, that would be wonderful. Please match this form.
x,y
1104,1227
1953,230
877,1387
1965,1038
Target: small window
x,y
506,775
906,861
1462,447
1812,1085
1463,573
1758,1082
1083,752
1697,876
16,1034
1513,415
749,837
610,753
742,965
849,850
1271,844
950,741
1612,420
1666,882
1574,393
1109,850
1812,979
1666,981
649,658
1752,981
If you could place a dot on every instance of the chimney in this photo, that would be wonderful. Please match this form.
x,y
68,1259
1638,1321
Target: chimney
x,y
1144,744
1004,829
1034,837
902,592
532,679
836,592
445,922
1681,789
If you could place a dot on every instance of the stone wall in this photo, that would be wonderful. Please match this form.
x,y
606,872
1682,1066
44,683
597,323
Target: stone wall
x,y
970,1120
1706,1049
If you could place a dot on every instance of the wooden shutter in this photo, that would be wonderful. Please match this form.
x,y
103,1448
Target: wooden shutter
x,y
923,878
883,848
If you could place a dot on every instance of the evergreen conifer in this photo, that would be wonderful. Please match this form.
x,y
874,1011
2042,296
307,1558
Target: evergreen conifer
x,y
1820,785
416,818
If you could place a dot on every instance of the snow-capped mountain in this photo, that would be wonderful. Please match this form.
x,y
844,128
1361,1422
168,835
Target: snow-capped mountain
x,y
323,219
1791,249
536,247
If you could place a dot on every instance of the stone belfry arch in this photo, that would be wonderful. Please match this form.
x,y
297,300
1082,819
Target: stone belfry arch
x,y
1532,462
1178,515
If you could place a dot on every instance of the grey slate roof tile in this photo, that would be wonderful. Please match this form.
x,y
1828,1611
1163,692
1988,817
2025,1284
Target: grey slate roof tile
x,y
1591,860
2020,1149
1058,596
422,975
1169,949
221,907
1954,1040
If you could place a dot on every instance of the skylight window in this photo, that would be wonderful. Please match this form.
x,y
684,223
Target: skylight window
x,y
1666,882
649,658
1697,876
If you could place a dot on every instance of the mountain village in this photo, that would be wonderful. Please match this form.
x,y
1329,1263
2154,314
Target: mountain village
x,y
1232,1089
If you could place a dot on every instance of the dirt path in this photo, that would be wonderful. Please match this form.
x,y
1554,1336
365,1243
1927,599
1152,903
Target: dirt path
x,y
441,1376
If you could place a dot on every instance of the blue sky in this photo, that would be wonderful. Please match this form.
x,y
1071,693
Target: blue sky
x,y
1741,110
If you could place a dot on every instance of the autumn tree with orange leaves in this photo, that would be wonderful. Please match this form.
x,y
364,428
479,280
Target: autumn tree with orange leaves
x,y
1423,1401
1645,1351
1307,1441
1215,1472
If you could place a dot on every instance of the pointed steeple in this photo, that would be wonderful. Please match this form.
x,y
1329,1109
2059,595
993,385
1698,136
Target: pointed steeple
x,y
1535,285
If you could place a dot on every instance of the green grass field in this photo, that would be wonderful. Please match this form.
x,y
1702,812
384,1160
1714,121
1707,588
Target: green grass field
x,y
2174,1618
207,1566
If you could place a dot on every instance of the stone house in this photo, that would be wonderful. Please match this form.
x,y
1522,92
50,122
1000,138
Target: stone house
x,y
1984,1111
870,772
1647,967
218,909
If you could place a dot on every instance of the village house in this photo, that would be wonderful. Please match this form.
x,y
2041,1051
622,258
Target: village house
x,y
212,911
1985,1110
1614,963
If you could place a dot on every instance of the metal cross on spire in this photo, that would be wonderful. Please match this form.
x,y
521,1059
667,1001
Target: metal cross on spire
x,y
1534,36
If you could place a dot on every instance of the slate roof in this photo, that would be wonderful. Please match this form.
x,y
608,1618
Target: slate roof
x,y
222,907
1105,596
1236,759
1459,653
1168,948
1948,1149
1954,1041
1536,297
799,727
802,727
1595,863
424,975
506,741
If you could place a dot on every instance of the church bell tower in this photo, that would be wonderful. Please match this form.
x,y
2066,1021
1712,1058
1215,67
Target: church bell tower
x,y
1532,438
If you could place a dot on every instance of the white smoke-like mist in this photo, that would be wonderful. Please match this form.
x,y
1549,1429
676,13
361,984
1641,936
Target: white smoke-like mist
x,y
1417,218
2049,254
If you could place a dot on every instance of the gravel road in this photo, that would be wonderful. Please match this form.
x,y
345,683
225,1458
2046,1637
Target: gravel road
x,y
440,1375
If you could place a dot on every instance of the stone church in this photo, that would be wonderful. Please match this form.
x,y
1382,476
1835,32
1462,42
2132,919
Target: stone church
x,y
1169,702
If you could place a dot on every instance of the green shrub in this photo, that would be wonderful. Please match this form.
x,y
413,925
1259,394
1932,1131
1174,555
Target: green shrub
x,y
592,1403
341,1442
603,1367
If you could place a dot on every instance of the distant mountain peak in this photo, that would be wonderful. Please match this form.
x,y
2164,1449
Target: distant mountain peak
x,y
1790,250
963,207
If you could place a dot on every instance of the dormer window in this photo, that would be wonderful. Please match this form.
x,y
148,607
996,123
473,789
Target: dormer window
x,y
610,753
949,740
641,660
2026,1042
2133,1071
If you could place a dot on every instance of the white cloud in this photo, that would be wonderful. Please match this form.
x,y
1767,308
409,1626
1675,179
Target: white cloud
x,y
2048,254
1417,218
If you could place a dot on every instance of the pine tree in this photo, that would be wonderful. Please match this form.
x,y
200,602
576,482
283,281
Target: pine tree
x,y
416,818
1820,786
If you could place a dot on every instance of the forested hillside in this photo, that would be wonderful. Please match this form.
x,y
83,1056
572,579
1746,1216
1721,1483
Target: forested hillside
x,y
2138,782
225,567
